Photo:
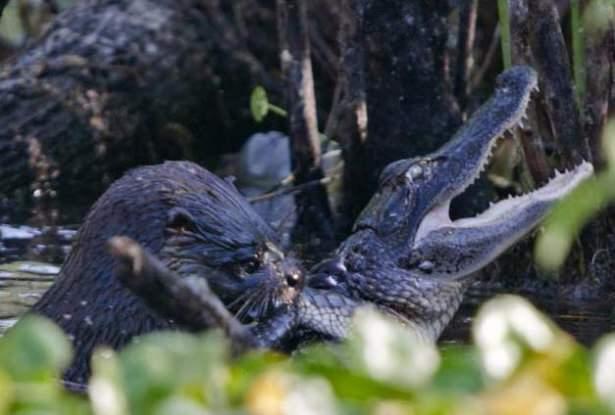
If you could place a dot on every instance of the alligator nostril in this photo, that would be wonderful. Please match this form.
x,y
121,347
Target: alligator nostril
x,y
322,281
293,279
333,266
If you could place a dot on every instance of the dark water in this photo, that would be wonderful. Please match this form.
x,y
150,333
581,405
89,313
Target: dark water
x,y
30,258
586,320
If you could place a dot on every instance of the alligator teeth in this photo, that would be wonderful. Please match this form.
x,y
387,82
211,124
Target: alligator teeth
x,y
557,187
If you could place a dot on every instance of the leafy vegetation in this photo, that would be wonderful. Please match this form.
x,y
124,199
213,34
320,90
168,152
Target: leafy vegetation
x,y
592,196
260,105
519,363
569,216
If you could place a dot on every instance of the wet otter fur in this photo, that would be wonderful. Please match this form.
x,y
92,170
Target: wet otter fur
x,y
197,224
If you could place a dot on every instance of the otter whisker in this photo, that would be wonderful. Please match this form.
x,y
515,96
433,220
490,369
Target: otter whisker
x,y
248,304
239,299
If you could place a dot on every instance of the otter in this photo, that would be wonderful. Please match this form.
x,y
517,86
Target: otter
x,y
197,224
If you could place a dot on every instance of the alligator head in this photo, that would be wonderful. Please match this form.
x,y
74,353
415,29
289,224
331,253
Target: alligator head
x,y
405,255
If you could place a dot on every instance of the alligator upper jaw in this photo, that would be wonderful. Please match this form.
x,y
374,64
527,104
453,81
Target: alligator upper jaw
x,y
462,159
454,249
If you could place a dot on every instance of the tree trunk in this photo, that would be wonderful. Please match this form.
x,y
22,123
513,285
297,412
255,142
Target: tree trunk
x,y
399,92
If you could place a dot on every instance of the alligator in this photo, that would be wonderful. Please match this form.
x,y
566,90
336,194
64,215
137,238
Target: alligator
x,y
405,255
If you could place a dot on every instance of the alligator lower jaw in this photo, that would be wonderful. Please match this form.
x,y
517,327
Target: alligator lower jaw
x,y
505,210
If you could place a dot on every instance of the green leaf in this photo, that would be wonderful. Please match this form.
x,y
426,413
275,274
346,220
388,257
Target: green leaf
x,y
608,144
569,216
504,18
259,104
164,363
105,388
460,370
604,375
34,349
6,392
574,211
248,368
598,16
180,405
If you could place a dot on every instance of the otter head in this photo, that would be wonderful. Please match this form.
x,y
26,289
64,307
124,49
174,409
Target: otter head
x,y
216,235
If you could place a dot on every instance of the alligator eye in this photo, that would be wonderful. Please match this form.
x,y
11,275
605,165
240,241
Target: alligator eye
x,y
426,266
293,279
415,172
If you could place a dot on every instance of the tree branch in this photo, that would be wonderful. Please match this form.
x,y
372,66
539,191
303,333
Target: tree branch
x,y
467,29
188,301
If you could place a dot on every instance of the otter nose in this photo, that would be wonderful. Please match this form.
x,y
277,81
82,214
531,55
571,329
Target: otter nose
x,y
293,279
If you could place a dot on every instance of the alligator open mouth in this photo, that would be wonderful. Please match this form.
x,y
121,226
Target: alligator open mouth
x,y
456,248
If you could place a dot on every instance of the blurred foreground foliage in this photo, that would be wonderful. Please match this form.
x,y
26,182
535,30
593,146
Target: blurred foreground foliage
x,y
520,363
572,213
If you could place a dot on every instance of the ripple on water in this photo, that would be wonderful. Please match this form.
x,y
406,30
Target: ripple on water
x,y
6,324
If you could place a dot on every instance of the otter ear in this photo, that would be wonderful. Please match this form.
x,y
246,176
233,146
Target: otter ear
x,y
179,218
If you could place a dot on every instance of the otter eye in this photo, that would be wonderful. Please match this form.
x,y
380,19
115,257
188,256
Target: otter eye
x,y
251,266
180,219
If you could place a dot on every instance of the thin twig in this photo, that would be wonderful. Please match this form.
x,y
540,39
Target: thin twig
x,y
577,34
336,108
600,84
313,205
488,60
467,29
297,69
294,189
